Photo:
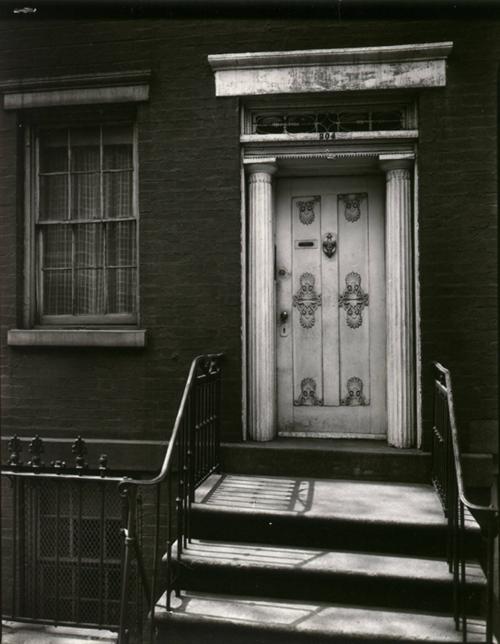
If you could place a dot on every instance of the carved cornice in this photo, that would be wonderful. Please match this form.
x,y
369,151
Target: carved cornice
x,y
346,55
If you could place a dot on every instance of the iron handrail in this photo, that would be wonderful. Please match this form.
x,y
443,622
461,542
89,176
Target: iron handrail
x,y
183,449
447,476
161,476
448,391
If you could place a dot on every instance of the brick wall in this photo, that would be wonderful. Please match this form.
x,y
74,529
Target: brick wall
x,y
190,218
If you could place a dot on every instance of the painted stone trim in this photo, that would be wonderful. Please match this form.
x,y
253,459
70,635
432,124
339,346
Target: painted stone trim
x,y
76,338
322,70
78,89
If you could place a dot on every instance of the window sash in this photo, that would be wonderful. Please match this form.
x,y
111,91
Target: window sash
x,y
124,275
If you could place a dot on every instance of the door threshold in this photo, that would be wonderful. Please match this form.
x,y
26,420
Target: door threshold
x,y
371,437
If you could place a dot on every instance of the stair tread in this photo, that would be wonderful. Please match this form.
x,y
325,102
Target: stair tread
x,y
315,618
318,560
336,499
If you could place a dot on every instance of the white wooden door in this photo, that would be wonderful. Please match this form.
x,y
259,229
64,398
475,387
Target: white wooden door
x,y
330,282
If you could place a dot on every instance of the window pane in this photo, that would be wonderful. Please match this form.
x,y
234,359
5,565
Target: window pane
x,y
352,122
89,291
85,144
117,142
117,194
270,124
121,290
57,292
327,122
53,198
85,196
54,150
387,120
121,243
300,123
89,245
57,247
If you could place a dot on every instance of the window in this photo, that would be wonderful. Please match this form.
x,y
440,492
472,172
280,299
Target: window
x,y
329,120
84,201
270,118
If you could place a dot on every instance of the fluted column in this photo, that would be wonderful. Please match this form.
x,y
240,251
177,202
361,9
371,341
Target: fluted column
x,y
399,281
261,304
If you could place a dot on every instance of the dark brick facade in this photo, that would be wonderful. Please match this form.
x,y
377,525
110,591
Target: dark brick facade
x,y
190,218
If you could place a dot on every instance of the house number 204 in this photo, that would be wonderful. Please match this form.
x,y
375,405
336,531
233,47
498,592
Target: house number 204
x,y
326,136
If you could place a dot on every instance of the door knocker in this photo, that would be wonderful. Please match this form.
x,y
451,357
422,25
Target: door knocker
x,y
330,244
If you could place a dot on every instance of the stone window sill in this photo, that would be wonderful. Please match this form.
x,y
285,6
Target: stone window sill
x,y
77,338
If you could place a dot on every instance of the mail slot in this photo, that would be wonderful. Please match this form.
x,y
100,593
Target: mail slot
x,y
306,243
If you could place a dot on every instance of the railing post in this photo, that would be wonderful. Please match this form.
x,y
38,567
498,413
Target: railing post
x,y
218,408
490,573
129,494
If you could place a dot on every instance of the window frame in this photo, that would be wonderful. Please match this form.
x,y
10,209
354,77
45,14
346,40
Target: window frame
x,y
33,291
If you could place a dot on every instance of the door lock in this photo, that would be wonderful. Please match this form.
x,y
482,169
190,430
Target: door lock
x,y
284,316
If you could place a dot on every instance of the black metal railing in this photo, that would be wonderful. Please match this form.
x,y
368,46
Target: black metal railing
x,y
192,455
448,480
62,542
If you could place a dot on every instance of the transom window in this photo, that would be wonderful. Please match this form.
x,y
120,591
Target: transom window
x,y
86,225
328,119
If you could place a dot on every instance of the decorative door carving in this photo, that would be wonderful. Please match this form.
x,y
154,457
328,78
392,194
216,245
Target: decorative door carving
x,y
330,307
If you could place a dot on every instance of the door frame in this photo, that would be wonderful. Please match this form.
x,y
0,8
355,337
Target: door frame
x,y
388,153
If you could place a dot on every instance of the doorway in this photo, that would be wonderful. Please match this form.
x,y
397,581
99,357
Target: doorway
x,y
330,307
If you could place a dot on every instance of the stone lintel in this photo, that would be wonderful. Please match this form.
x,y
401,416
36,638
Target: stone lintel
x,y
325,70
78,89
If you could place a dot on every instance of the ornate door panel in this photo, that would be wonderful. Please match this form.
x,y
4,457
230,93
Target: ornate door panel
x,y
331,307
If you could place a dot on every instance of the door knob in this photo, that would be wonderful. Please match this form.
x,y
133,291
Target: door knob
x,y
284,316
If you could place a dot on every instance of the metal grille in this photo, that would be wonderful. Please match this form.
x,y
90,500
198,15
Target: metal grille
x,y
67,551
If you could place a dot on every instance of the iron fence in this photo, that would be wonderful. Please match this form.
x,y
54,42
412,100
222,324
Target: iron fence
x,y
62,540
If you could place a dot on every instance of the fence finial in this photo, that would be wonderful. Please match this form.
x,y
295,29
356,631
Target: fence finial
x,y
15,448
103,464
36,449
79,448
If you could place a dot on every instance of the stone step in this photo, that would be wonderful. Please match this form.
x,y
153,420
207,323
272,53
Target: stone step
x,y
398,518
200,618
369,460
321,575
36,633
327,458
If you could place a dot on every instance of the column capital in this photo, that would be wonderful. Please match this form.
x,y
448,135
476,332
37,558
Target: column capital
x,y
265,165
390,162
